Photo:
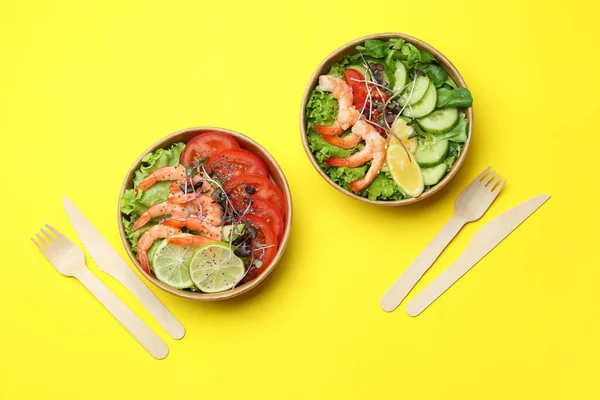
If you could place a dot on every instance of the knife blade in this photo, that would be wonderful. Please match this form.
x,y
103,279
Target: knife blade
x,y
484,240
110,262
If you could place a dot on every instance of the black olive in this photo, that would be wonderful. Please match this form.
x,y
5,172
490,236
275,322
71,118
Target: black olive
x,y
198,185
378,76
240,239
249,189
377,66
390,118
242,251
252,232
396,110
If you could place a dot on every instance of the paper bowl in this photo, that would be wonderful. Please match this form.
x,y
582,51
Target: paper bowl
x,y
339,55
277,176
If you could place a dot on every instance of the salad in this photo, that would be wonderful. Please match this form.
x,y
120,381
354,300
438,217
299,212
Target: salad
x,y
204,216
387,122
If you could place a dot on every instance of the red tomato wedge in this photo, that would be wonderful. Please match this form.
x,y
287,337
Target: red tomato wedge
x,y
270,213
235,162
254,186
205,145
360,90
264,246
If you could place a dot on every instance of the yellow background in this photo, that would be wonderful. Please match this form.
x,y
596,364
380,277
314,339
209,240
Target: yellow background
x,y
86,86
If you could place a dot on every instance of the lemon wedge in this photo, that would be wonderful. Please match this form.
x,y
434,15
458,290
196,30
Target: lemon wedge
x,y
402,132
404,169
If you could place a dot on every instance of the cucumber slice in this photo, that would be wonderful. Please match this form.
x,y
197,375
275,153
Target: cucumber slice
x,y
423,107
433,175
418,88
400,76
440,121
431,153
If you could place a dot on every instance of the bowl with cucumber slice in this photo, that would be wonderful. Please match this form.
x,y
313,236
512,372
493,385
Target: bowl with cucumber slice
x,y
387,119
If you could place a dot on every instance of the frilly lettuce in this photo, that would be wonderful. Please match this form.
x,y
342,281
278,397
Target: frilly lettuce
x,y
321,110
133,203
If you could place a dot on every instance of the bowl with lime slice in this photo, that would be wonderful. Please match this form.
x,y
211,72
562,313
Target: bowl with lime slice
x,y
387,119
205,213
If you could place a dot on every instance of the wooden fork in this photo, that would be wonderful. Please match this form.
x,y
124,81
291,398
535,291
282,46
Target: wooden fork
x,y
69,260
470,205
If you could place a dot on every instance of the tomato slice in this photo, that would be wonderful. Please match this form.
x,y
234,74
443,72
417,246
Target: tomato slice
x,y
254,186
264,246
359,89
235,162
270,213
205,145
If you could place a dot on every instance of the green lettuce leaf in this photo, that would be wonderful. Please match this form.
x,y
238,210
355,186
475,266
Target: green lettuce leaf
x,y
134,203
459,98
376,48
454,150
321,108
384,187
459,133
434,72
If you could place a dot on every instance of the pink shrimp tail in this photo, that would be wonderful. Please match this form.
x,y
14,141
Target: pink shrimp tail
x,y
140,222
329,130
337,162
144,261
359,185
175,222
193,240
146,183
183,198
347,142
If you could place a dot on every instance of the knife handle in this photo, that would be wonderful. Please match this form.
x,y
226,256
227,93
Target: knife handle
x,y
136,327
138,288
442,282
415,271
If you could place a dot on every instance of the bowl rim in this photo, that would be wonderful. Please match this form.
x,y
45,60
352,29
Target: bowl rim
x,y
162,143
448,67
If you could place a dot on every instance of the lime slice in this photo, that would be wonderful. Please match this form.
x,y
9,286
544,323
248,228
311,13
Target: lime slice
x,y
170,264
404,169
214,268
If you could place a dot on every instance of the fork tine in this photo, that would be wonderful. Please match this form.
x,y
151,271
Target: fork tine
x,y
488,178
42,239
497,179
499,187
482,174
48,236
37,244
53,230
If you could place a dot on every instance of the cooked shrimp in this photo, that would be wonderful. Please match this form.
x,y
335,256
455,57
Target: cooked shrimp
x,y
148,238
201,187
198,224
355,160
162,174
189,240
208,218
158,210
374,150
347,113
347,142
